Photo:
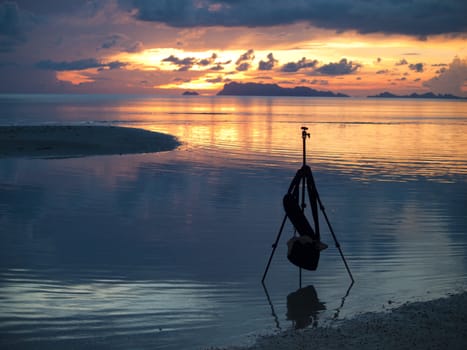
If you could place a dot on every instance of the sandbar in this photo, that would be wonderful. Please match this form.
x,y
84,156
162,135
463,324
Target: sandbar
x,y
62,141
436,324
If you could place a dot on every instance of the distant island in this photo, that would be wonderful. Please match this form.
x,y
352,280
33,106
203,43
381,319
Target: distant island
x,y
256,89
427,95
190,93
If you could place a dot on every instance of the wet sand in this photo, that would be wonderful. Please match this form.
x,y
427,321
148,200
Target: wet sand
x,y
437,324
49,141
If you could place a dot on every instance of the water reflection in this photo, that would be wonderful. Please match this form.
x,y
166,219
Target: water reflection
x,y
303,307
57,309
368,139
167,250
363,149
363,138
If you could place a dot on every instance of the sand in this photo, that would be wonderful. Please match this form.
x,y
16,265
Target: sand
x,y
437,324
61,141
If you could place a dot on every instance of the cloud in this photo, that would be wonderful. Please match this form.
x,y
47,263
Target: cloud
x,y
452,80
136,46
247,56
187,63
121,42
112,41
319,82
26,79
14,24
244,61
343,67
217,80
292,67
114,65
83,64
402,62
417,67
217,67
269,64
208,61
418,18
8,64
184,64
54,7
242,67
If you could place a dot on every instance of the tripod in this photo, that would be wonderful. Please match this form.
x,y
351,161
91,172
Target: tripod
x,y
304,251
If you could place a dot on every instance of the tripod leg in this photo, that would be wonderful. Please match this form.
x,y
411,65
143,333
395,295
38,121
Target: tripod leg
x,y
312,188
274,246
338,246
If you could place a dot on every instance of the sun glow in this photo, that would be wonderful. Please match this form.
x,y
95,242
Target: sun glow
x,y
171,59
77,77
351,63
192,85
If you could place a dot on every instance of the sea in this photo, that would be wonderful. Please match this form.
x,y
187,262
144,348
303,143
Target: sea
x,y
167,250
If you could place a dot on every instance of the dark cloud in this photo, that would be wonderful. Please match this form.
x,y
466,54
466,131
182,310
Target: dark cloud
x,y
402,62
187,63
14,24
115,65
47,7
315,81
184,64
417,17
417,67
217,80
292,67
121,42
27,79
343,67
112,41
83,64
217,67
383,71
208,61
244,61
242,67
319,82
269,64
247,56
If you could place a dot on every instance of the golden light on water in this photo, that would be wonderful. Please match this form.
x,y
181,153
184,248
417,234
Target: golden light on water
x,y
359,135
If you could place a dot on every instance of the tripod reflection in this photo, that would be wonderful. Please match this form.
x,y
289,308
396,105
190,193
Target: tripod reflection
x,y
303,307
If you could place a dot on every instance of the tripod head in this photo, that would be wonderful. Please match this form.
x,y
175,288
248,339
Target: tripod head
x,y
305,134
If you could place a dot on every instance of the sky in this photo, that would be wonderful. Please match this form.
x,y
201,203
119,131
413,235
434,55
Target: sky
x,y
356,47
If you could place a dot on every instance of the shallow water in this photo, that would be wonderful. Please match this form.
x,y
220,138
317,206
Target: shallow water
x,y
166,250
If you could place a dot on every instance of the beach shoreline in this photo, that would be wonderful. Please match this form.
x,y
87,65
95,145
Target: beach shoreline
x,y
435,324
63,141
